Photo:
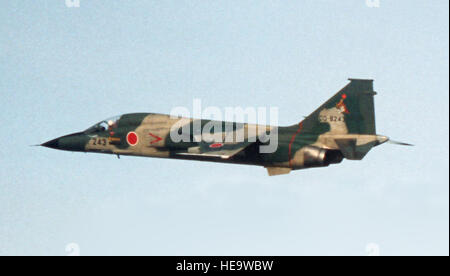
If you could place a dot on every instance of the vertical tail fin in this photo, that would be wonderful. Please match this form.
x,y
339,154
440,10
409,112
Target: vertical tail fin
x,y
350,111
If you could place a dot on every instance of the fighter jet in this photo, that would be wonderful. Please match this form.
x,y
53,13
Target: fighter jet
x,y
342,128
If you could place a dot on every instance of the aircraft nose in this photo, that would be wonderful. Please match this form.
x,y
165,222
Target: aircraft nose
x,y
72,142
53,144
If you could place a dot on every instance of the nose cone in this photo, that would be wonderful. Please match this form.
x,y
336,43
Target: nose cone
x,y
72,142
53,144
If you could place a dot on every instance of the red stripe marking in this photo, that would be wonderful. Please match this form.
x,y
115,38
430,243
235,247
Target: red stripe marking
x,y
157,138
300,127
215,146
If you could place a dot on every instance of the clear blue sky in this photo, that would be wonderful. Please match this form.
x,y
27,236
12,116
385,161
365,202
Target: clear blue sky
x,y
64,69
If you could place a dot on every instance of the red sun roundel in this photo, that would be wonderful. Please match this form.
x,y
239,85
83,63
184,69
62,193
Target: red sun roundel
x,y
132,138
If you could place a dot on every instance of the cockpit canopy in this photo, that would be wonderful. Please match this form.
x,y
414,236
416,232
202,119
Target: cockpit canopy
x,y
105,125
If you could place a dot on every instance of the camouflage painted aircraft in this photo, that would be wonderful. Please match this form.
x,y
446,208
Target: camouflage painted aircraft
x,y
343,127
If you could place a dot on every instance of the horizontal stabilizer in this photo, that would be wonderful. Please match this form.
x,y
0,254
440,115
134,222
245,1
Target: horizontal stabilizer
x,y
351,150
